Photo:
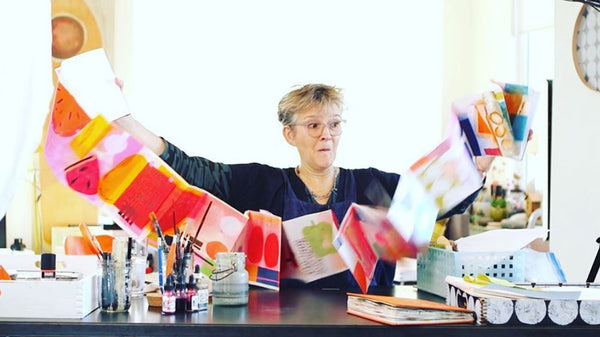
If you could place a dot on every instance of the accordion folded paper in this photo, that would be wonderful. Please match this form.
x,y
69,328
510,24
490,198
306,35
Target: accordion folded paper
x,y
262,244
497,122
366,235
127,181
310,238
434,185
447,173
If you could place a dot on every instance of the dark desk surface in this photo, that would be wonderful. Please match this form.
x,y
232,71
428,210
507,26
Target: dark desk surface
x,y
299,312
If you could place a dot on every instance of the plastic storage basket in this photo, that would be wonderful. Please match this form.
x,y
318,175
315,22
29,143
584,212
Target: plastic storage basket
x,y
436,264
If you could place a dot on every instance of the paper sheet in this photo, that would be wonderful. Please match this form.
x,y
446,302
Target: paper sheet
x,y
90,79
500,240
520,292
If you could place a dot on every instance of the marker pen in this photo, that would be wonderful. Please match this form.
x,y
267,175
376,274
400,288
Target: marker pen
x,y
159,253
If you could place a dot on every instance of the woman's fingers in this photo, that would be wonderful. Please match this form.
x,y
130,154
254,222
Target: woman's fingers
x,y
119,82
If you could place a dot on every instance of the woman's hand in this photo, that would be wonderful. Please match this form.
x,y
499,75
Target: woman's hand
x,y
483,163
119,82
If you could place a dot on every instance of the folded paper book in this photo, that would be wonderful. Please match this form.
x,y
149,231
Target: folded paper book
x,y
262,244
434,185
497,122
127,181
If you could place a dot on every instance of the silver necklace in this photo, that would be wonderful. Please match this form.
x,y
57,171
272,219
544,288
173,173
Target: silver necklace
x,y
325,195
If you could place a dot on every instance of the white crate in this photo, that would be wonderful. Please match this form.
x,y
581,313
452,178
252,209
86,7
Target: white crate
x,y
436,264
50,298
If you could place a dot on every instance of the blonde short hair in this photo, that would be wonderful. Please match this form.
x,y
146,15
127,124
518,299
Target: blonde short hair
x,y
308,97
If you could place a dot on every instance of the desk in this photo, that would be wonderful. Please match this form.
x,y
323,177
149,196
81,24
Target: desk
x,y
301,312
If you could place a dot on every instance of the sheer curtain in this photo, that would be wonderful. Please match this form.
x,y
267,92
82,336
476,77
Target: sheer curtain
x,y
25,87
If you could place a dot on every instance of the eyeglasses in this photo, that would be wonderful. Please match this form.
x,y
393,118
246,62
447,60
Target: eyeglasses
x,y
315,129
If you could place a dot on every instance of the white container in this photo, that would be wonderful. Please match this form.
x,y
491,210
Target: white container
x,y
49,298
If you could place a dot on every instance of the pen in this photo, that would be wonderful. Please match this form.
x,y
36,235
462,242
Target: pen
x,y
160,250
160,264
177,265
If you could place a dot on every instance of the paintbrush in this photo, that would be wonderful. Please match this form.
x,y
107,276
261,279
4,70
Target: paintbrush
x,y
91,240
152,217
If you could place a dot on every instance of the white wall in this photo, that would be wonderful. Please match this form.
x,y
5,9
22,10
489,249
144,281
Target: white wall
x,y
479,45
208,75
575,161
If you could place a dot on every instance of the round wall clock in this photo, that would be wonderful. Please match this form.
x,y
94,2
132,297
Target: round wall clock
x,y
586,46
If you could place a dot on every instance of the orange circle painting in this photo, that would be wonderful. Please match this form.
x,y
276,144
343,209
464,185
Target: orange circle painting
x,y
74,30
67,37
214,247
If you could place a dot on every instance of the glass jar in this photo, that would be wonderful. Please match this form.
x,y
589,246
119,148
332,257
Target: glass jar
x,y
230,280
115,288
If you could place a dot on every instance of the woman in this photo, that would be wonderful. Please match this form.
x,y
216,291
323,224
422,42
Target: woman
x,y
312,122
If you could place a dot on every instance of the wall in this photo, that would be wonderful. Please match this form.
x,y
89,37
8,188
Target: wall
x,y
208,75
575,159
479,45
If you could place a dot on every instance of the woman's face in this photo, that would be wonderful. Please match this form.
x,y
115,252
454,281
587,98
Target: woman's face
x,y
311,134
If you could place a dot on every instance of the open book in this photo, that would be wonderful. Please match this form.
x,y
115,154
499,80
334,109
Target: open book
x,y
406,311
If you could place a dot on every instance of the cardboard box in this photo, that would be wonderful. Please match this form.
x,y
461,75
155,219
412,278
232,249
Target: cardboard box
x,y
50,298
